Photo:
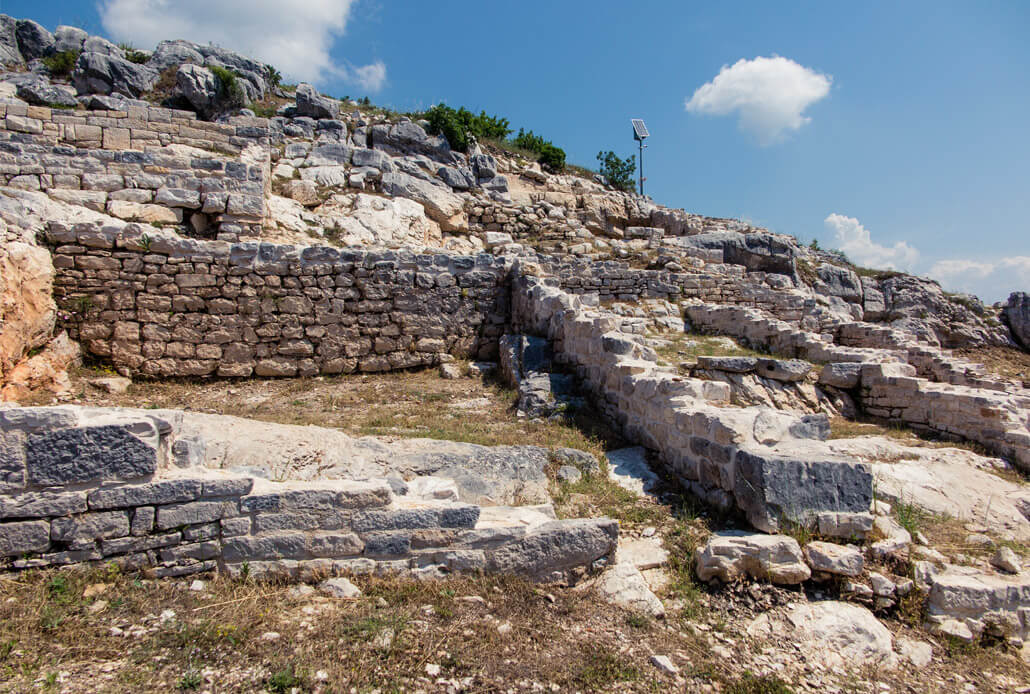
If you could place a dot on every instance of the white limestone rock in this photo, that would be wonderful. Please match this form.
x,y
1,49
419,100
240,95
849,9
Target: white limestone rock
x,y
830,558
733,554
624,586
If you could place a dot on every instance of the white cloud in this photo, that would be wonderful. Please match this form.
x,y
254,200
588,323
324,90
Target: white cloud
x,y
769,95
371,77
990,280
856,242
296,37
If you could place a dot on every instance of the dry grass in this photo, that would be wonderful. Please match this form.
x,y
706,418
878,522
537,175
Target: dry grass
x,y
673,349
1007,362
396,404
843,428
51,633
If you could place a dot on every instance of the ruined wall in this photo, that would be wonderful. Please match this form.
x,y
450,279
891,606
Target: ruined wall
x,y
771,465
124,163
167,306
89,485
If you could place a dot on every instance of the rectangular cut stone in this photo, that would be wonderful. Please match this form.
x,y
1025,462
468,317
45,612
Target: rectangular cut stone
x,y
194,513
21,537
143,520
198,550
273,546
358,495
205,531
91,526
229,487
232,527
334,545
40,504
410,519
167,492
87,454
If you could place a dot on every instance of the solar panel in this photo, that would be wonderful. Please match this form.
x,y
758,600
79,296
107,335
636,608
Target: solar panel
x,y
639,129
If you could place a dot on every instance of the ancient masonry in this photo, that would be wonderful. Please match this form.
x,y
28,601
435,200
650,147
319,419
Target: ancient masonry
x,y
119,162
85,485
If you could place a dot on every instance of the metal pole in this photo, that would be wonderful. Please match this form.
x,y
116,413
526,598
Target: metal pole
x,y
641,141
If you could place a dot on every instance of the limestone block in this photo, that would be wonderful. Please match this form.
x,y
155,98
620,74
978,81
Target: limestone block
x,y
21,537
840,560
90,526
194,512
165,492
42,504
555,547
731,555
90,454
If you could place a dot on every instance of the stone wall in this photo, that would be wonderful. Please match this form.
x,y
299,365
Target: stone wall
x,y
164,306
99,485
773,466
126,163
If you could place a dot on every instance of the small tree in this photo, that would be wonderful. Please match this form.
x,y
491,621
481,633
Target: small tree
x,y
618,172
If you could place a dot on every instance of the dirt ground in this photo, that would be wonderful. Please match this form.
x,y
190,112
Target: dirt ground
x,y
477,634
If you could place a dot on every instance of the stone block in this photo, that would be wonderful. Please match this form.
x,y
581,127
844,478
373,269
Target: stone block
x,y
42,504
556,546
271,546
90,526
20,537
334,545
730,555
166,492
143,520
88,454
193,513
238,486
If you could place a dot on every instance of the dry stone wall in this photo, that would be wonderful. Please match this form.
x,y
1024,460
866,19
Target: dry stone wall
x,y
773,466
84,485
166,306
125,163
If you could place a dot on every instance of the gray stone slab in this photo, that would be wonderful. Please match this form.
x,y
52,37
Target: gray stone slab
x,y
87,454
42,504
271,546
167,492
91,526
193,513
21,537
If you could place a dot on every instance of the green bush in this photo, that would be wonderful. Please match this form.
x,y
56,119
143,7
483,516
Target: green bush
x,y
61,64
547,153
275,78
132,55
617,171
552,157
230,91
458,125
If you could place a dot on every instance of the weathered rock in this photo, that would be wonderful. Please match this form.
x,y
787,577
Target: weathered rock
x,y
1017,315
42,93
569,474
33,40
68,38
918,653
555,547
440,203
199,85
9,53
841,374
312,104
981,601
623,585
21,537
27,308
96,73
89,454
1007,560
111,384
840,560
731,555
837,634
791,370
731,364
628,468
340,588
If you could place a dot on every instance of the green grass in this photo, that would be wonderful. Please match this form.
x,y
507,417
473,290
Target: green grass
x,y
753,684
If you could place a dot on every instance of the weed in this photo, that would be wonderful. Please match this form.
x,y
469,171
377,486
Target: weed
x,y
604,668
638,621
286,680
190,680
910,516
61,64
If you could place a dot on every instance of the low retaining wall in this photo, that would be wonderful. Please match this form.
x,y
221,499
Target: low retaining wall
x,y
167,306
119,162
771,465
99,485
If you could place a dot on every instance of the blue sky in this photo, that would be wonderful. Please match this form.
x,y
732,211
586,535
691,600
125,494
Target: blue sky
x,y
897,131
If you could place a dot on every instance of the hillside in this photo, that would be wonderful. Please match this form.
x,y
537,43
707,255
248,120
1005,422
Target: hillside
x,y
325,396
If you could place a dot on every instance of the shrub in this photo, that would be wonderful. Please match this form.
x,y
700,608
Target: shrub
x,y
61,64
552,157
547,153
230,92
132,55
458,125
275,78
617,171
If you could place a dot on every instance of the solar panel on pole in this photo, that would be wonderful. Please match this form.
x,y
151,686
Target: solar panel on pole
x,y
640,134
